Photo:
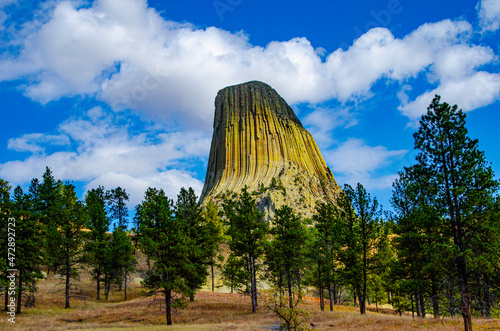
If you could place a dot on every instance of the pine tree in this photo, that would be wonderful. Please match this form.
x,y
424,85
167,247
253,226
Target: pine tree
x,y
234,273
320,267
28,237
117,203
46,196
164,239
288,250
350,254
327,223
215,238
122,256
367,233
188,212
97,243
418,241
68,237
248,232
465,187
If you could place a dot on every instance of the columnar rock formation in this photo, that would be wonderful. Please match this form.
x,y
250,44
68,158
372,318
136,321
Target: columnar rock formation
x,y
259,142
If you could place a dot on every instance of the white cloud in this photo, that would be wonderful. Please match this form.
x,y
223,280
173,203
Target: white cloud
x,y
355,162
104,149
322,121
124,53
170,181
489,14
469,93
32,142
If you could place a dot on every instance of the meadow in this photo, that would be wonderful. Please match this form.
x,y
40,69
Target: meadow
x,y
209,311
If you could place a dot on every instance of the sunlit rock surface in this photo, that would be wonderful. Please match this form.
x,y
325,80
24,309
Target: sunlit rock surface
x,y
259,142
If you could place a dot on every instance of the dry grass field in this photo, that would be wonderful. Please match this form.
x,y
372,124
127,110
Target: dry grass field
x,y
209,311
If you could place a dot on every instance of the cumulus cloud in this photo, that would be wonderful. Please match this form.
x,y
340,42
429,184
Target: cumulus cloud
x,y
124,53
469,93
321,123
170,181
355,162
489,14
104,150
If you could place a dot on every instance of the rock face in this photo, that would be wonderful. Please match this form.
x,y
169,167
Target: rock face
x,y
259,142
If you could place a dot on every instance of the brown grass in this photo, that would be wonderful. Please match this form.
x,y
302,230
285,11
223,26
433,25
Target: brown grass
x,y
209,311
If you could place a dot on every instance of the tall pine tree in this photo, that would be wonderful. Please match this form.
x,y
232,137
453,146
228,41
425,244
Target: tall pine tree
x,y
288,251
248,232
28,237
97,243
465,187
164,239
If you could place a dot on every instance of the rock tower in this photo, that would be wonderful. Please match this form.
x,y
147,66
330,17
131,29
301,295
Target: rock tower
x,y
259,142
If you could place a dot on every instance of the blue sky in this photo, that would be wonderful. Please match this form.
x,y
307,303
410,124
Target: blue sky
x,y
121,92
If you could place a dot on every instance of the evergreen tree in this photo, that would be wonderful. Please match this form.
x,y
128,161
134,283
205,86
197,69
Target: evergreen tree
x,y
288,250
68,237
248,232
367,233
327,223
188,212
418,241
97,243
234,273
164,239
320,270
465,187
215,237
117,203
46,198
122,256
118,212
28,236
349,256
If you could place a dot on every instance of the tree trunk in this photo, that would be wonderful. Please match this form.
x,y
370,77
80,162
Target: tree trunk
x,y
361,298
465,296
280,285
67,280
98,279
289,283
354,296
168,306
320,288
19,292
213,280
486,309
253,284
422,305
108,285
412,308
417,302
125,289
321,298
191,296
6,298
331,295
435,299
335,297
